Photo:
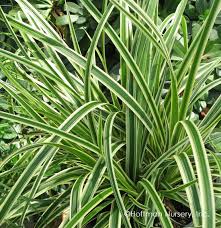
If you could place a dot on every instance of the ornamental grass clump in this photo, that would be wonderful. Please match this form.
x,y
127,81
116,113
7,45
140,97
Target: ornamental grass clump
x,y
109,149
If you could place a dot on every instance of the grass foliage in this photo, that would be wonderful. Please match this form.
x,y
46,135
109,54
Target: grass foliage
x,y
107,146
